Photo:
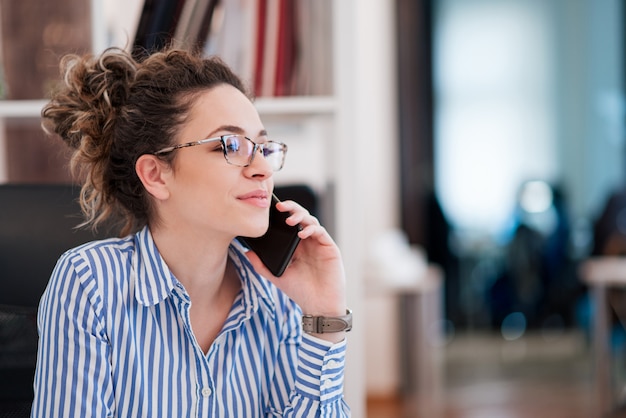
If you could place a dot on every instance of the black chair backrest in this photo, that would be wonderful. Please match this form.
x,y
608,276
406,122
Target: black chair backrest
x,y
37,224
301,193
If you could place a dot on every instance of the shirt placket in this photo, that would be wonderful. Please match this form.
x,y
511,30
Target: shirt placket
x,y
205,385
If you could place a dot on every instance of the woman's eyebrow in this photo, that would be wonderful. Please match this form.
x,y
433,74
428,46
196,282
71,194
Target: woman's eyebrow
x,y
234,129
228,128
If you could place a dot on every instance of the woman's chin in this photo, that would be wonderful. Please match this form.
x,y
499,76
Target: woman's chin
x,y
255,232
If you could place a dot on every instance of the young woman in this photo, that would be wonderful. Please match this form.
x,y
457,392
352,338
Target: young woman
x,y
175,319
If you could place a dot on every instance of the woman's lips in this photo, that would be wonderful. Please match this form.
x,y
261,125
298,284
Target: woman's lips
x,y
257,198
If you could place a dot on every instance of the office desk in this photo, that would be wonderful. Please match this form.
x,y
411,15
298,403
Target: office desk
x,y
601,274
420,336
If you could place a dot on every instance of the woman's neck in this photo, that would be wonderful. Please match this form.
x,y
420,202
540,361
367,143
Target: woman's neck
x,y
197,261
211,280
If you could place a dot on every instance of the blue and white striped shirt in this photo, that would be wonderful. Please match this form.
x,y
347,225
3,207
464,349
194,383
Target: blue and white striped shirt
x,y
116,341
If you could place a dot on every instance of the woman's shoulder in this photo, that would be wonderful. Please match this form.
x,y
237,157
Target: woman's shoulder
x,y
109,246
96,256
95,266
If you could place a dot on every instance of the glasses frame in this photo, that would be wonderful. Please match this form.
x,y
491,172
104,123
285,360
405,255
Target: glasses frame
x,y
222,139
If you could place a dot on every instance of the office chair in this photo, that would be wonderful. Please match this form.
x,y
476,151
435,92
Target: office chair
x,y
301,193
37,224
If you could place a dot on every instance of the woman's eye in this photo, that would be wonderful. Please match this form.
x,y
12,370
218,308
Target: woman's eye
x,y
268,151
231,146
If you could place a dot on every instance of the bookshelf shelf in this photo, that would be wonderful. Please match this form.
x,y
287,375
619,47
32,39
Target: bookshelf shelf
x,y
295,105
21,108
272,106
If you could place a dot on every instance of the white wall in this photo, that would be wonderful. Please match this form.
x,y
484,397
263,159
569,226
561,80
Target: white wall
x,y
366,177
375,133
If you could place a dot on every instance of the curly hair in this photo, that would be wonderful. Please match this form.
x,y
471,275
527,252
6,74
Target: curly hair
x,y
112,108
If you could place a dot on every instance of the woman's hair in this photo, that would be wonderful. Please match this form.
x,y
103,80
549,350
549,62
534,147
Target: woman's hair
x,y
111,109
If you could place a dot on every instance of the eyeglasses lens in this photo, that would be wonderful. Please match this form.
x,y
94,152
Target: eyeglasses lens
x,y
274,154
239,151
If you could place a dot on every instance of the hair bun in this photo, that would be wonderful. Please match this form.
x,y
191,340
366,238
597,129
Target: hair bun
x,y
119,72
93,92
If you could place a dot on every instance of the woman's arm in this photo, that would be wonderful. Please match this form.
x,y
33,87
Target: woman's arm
x,y
73,372
309,376
315,281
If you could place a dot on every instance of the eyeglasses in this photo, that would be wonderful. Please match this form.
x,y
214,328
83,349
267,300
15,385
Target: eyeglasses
x,y
240,150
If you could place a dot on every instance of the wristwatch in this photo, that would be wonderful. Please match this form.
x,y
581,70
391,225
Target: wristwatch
x,y
325,324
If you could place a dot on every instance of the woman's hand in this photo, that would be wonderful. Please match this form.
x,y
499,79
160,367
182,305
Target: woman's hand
x,y
315,278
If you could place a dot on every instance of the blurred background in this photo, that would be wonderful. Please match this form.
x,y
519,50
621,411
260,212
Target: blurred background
x,y
468,156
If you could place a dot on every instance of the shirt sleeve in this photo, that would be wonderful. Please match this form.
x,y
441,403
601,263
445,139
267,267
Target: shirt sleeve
x,y
315,388
72,377
320,375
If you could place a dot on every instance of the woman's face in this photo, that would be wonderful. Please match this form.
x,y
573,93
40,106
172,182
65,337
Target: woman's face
x,y
207,194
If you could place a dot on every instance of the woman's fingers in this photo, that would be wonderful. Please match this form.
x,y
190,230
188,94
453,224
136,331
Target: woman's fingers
x,y
311,226
298,214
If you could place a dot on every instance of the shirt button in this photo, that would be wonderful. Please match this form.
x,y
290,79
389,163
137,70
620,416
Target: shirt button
x,y
332,364
206,392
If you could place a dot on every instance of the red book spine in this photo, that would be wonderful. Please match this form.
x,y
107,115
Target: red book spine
x,y
260,47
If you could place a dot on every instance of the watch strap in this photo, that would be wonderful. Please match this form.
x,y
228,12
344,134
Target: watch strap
x,y
325,324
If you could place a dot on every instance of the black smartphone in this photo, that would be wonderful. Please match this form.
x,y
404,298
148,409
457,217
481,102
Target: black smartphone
x,y
276,247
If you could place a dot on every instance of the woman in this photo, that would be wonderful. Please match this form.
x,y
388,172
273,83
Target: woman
x,y
174,319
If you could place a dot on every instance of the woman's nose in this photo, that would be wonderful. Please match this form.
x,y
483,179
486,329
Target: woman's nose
x,y
260,165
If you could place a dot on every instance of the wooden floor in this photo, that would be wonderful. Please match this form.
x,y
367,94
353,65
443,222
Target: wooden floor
x,y
487,377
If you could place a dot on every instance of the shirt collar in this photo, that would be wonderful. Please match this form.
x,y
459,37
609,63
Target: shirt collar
x,y
257,290
155,282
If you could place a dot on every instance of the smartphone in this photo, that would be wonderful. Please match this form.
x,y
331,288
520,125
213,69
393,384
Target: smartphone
x,y
276,247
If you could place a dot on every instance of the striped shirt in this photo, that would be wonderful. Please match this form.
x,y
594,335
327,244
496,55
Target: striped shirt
x,y
116,341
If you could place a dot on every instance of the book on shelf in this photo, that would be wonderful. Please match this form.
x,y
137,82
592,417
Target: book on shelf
x,y
231,37
259,42
191,29
313,68
277,47
270,52
157,24
205,24
286,49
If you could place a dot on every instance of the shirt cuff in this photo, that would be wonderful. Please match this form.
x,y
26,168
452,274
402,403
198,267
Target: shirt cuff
x,y
321,368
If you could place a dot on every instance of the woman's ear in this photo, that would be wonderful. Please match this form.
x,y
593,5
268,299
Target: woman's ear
x,y
152,173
